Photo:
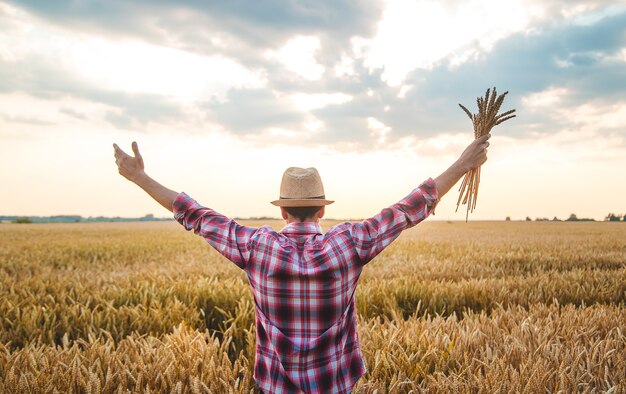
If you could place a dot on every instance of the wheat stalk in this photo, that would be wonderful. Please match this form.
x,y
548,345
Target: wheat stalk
x,y
486,118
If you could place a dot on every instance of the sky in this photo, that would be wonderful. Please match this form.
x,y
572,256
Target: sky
x,y
222,97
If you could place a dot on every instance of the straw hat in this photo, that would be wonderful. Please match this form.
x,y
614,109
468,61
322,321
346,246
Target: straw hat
x,y
301,187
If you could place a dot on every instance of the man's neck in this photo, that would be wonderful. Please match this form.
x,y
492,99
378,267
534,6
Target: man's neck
x,y
314,221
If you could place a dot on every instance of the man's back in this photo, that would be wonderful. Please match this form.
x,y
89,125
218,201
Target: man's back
x,y
304,284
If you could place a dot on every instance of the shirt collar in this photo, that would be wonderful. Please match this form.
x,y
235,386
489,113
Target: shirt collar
x,y
302,228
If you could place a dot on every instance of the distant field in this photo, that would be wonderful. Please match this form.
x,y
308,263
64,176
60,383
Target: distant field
x,y
449,307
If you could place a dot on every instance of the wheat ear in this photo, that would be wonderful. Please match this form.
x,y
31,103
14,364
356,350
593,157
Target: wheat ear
x,y
486,118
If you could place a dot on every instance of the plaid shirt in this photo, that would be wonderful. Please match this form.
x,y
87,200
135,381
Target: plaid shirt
x,y
304,284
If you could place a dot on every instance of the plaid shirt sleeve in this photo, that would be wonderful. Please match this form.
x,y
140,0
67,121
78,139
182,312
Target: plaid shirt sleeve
x,y
225,235
374,234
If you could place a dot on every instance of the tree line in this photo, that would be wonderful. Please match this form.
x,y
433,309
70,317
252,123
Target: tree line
x,y
77,219
611,217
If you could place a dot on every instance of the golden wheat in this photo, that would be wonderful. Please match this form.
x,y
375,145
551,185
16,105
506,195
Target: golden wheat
x,y
510,350
150,308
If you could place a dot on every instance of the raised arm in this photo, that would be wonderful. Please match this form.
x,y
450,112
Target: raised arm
x,y
132,168
374,234
473,156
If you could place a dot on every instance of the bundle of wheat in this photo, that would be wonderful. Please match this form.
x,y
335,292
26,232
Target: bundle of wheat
x,y
486,118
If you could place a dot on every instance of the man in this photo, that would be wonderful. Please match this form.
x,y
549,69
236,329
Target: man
x,y
303,281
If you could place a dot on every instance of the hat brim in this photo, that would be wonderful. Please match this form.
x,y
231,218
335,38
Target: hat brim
x,y
309,202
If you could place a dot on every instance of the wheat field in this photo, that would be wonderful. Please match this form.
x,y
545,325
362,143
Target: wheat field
x,y
479,307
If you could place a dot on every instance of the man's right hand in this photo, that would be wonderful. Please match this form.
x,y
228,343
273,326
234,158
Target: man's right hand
x,y
475,154
128,166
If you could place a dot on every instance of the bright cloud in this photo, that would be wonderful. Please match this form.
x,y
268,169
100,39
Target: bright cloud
x,y
540,101
587,13
418,34
140,67
131,66
378,130
298,56
588,117
345,67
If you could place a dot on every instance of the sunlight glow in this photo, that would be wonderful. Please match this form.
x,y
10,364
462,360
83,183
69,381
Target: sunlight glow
x,y
140,67
298,56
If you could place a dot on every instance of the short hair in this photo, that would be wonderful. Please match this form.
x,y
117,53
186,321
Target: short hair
x,y
302,213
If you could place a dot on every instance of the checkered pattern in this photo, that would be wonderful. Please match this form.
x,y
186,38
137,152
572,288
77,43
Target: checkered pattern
x,y
304,284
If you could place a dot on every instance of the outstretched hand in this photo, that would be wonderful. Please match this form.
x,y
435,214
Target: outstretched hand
x,y
128,166
475,154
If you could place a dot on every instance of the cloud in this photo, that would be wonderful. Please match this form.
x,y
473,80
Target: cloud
x,y
417,34
298,56
307,102
25,120
523,64
577,118
326,73
73,113
39,78
263,23
250,111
